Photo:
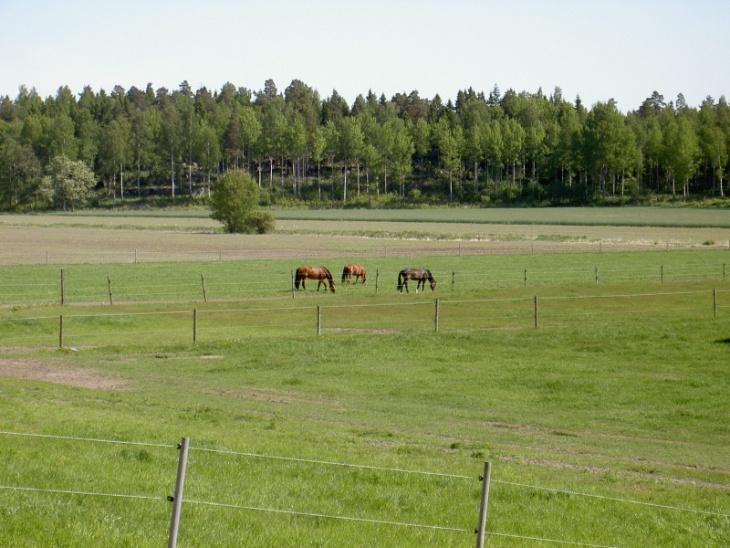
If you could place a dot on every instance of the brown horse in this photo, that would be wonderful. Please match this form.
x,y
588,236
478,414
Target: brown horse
x,y
419,274
319,273
351,270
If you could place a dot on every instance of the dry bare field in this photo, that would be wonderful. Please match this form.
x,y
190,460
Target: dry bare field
x,y
57,238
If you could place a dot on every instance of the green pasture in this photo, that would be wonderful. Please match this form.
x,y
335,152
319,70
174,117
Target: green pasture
x,y
272,279
621,392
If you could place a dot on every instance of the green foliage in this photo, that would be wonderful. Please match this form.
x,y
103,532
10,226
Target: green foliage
x,y
67,184
148,143
234,203
262,222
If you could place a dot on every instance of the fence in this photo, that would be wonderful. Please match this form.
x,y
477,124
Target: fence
x,y
178,499
67,287
213,324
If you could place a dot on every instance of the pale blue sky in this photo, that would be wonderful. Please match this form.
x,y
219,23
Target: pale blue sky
x,y
599,50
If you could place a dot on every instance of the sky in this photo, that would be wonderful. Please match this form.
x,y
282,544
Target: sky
x,y
598,50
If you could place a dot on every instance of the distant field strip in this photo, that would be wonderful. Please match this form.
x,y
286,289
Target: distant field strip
x,y
581,216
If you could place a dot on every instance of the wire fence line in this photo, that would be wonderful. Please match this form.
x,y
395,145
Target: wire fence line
x,y
441,314
329,516
84,493
398,470
197,287
294,513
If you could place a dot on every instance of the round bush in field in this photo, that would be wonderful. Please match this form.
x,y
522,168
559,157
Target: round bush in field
x,y
234,203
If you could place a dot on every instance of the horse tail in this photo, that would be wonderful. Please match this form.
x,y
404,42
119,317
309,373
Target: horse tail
x,y
329,278
400,280
344,273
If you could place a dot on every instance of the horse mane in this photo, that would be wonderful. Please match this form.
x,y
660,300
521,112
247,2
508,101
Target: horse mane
x,y
326,271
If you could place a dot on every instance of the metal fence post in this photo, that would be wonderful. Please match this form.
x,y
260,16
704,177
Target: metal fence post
x,y
177,498
483,507
714,303
377,279
437,305
453,279
205,292
524,278
535,311
595,271
319,320
661,273
63,289
109,289
60,331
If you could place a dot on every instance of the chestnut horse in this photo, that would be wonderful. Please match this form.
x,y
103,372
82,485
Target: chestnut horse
x,y
351,270
419,274
319,273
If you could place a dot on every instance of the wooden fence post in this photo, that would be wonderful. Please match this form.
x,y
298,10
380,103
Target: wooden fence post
x,y
195,325
535,312
205,292
524,278
437,306
292,284
459,249
63,289
453,279
377,279
319,320
661,273
60,331
595,271
109,289
483,507
135,255
714,303
723,272
177,498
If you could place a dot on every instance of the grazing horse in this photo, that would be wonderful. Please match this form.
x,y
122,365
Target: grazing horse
x,y
420,274
351,270
319,273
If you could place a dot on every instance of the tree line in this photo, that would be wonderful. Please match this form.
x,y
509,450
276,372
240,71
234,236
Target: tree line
x,y
496,148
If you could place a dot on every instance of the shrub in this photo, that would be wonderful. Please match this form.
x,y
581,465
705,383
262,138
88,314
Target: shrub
x,y
261,221
234,203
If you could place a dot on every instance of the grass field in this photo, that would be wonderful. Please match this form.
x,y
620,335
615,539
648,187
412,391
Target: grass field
x,y
620,392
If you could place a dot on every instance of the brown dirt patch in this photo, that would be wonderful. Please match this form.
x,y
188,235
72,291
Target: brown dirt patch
x,y
58,374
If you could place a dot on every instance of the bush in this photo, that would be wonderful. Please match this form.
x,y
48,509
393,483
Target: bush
x,y
261,221
234,203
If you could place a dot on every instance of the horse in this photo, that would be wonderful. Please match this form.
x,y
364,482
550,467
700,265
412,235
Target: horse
x,y
351,270
319,273
420,274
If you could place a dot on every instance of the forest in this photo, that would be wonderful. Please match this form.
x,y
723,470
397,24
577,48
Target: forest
x,y
161,146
